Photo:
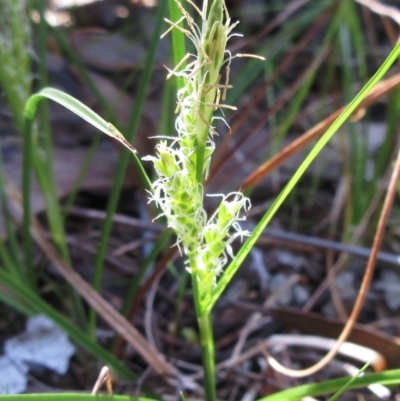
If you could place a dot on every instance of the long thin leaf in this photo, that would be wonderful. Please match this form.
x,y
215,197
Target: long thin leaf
x,y
79,109
348,384
387,378
247,246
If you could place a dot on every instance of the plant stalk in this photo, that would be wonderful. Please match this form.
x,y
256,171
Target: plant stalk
x,y
204,321
208,355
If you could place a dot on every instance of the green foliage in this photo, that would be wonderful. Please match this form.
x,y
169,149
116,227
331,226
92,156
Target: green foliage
x,y
387,378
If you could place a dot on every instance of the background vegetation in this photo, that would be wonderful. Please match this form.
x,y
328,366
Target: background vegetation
x,y
90,249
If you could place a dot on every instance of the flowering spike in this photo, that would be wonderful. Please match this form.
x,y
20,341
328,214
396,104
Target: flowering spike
x,y
182,165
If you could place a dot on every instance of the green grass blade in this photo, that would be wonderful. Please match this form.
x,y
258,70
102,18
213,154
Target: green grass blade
x,y
79,109
246,248
387,378
44,166
348,384
82,111
26,194
71,397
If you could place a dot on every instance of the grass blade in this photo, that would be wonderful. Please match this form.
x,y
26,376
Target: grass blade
x,y
79,109
387,378
247,246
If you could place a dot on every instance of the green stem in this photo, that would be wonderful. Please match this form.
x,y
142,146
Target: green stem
x,y
26,193
206,338
208,355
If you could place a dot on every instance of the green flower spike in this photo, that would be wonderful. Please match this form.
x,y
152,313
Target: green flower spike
x,y
183,164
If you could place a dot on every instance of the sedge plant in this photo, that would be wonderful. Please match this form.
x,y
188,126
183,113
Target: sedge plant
x,y
182,164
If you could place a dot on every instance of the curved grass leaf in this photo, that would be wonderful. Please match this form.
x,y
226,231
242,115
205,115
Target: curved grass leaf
x,y
247,246
387,378
79,109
